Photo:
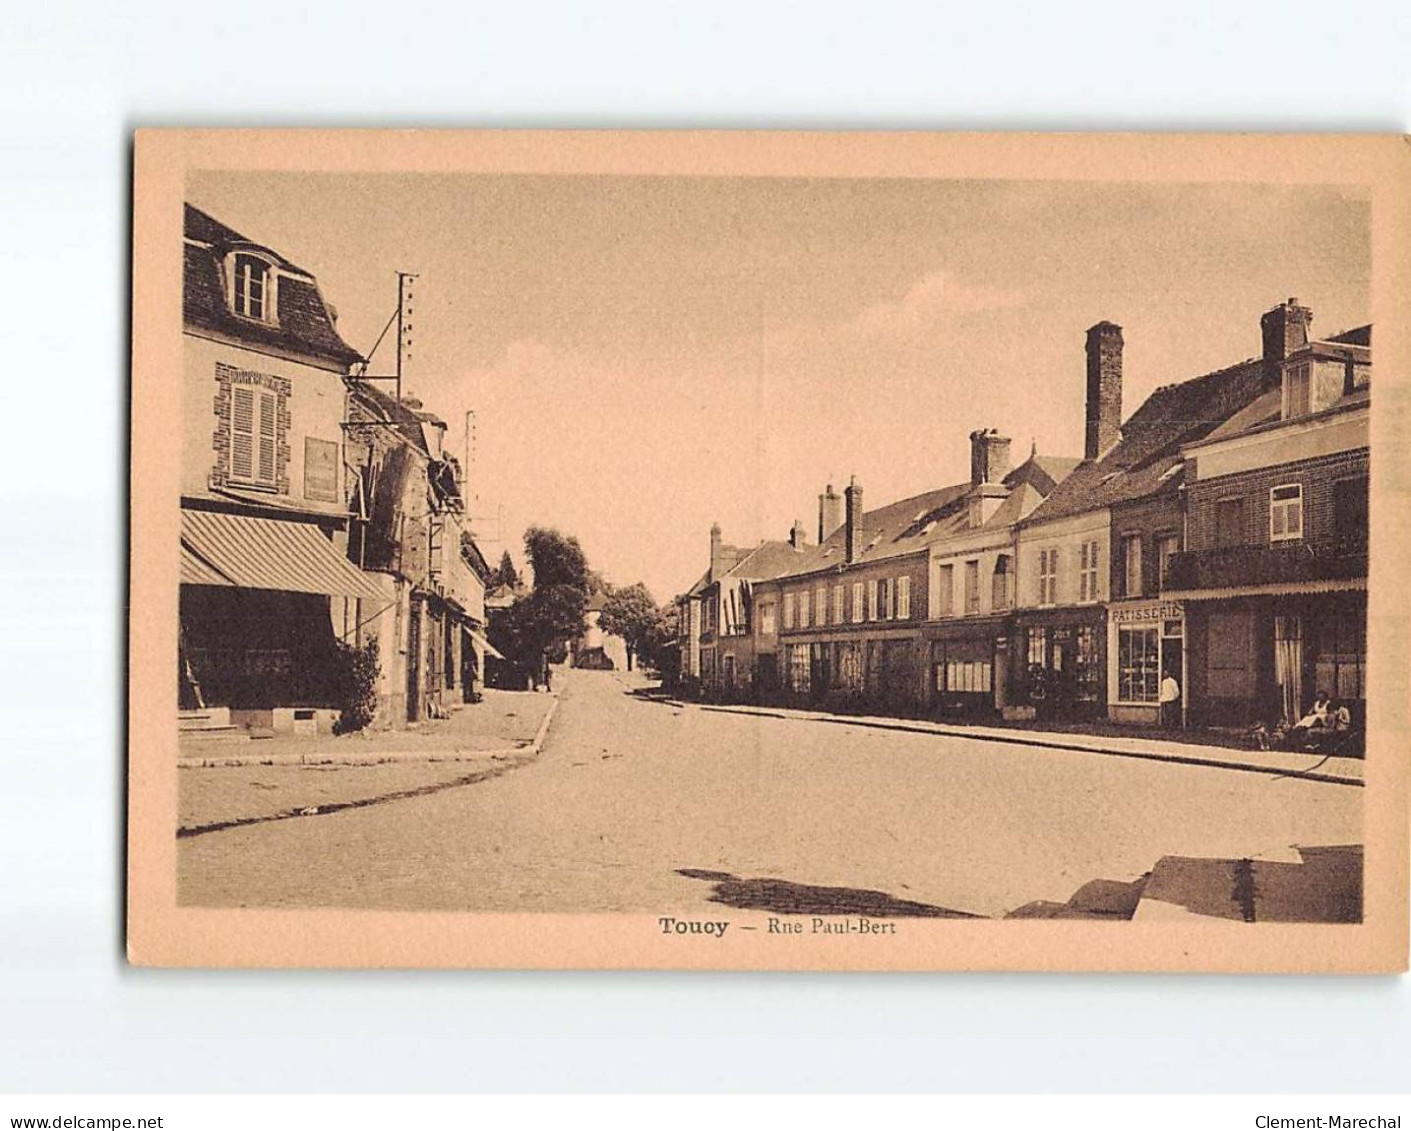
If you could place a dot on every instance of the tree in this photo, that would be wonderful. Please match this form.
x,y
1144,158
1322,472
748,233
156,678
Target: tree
x,y
505,574
631,613
552,613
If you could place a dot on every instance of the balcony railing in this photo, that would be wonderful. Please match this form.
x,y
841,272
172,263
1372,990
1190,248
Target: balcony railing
x,y
1228,567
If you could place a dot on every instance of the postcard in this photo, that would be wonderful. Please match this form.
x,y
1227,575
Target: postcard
x,y
769,551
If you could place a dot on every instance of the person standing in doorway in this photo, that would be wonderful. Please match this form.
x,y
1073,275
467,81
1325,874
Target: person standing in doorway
x,y
1170,702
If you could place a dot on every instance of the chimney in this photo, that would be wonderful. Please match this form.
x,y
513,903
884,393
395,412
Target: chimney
x,y
716,556
798,535
853,520
1285,329
989,457
1104,409
830,513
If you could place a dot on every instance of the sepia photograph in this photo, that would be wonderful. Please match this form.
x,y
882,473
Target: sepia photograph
x,y
917,553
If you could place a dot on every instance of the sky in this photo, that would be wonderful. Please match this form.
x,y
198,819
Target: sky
x,y
648,355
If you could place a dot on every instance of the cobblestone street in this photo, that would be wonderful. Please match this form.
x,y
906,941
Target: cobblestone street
x,y
639,805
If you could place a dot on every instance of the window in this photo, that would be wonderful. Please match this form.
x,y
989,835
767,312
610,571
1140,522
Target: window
x,y
1138,663
1048,577
252,435
1131,565
1089,671
766,618
1229,522
250,288
1341,663
1350,512
820,604
999,584
945,590
838,595
1167,546
1286,512
320,470
788,610
884,599
847,666
903,598
803,608
965,675
857,602
872,599
1296,392
972,588
1087,571
798,667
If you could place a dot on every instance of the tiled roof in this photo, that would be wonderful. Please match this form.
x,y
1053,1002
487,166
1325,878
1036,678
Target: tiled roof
x,y
1142,463
406,422
768,559
304,324
1359,336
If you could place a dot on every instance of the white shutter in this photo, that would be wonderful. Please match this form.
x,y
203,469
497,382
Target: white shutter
x,y
242,433
268,407
872,599
904,598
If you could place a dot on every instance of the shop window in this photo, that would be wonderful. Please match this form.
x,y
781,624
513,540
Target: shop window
x,y
1087,664
1341,662
1230,655
1138,664
847,666
799,667
970,676
1286,512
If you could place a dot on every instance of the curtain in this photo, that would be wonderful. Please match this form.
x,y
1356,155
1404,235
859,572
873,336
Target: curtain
x,y
1288,665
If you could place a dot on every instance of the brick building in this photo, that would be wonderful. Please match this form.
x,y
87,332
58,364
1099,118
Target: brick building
x,y
1274,574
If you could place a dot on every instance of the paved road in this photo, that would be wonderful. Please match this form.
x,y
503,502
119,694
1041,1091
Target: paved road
x,y
630,793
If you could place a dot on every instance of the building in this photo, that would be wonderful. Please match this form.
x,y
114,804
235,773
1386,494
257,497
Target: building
x,y
1273,576
869,619
267,590
409,527
1094,630
596,649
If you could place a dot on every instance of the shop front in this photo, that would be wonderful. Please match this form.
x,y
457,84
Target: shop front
x,y
969,667
1058,664
1145,646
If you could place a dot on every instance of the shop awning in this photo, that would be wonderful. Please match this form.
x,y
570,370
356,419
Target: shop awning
x,y
1283,589
266,553
485,645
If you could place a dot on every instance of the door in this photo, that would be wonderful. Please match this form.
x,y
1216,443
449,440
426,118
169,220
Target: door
x,y
414,663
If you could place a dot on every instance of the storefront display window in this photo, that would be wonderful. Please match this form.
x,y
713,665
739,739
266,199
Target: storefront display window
x,y
798,667
1138,664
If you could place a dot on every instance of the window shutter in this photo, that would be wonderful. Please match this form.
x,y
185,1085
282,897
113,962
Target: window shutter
x,y
872,600
242,433
267,434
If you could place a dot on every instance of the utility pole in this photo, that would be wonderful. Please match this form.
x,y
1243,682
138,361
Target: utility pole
x,y
406,281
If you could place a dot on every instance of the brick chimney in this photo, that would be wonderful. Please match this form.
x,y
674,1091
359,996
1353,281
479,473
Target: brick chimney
x,y
1104,410
830,513
798,535
717,557
1285,329
852,519
989,456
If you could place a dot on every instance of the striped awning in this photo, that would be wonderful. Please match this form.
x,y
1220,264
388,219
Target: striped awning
x,y
1279,589
485,645
266,553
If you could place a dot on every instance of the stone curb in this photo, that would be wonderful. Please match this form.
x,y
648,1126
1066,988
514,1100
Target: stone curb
x,y
210,761
1031,738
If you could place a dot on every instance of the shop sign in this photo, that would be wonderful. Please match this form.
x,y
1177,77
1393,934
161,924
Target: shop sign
x,y
1150,611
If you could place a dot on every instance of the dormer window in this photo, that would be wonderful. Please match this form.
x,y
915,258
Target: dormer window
x,y
252,286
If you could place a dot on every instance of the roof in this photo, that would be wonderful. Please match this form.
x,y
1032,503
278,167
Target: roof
x,y
405,421
914,523
1359,336
1147,460
304,325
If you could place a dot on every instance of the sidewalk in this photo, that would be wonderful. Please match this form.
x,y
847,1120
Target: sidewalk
x,y
224,784
1278,763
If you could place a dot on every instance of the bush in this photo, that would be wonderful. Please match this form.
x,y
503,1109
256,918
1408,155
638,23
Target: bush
x,y
358,670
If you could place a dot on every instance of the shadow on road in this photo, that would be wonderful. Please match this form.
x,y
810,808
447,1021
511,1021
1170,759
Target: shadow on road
x,y
788,898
